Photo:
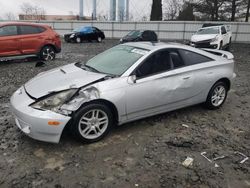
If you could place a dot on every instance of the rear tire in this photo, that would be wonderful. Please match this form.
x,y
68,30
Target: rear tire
x,y
99,39
47,53
216,96
92,122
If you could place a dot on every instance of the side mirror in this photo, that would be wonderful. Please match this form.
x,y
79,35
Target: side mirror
x,y
132,79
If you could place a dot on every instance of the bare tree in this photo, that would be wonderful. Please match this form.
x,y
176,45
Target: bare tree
x,y
33,12
9,16
209,8
172,9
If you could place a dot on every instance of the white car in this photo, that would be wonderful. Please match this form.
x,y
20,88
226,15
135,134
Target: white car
x,y
215,37
125,83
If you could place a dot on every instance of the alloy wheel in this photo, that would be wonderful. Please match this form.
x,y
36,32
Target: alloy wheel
x,y
218,96
93,124
48,53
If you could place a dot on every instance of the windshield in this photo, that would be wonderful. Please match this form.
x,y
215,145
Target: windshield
x,y
116,60
77,30
82,29
204,31
134,34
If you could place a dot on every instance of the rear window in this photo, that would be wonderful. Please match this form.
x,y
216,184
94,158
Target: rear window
x,y
26,29
192,58
9,30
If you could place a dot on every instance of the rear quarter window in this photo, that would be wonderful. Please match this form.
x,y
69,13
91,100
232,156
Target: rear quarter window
x,y
25,29
192,58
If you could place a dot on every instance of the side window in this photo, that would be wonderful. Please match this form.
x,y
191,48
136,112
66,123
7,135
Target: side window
x,y
41,29
26,29
192,58
8,30
176,59
223,30
157,63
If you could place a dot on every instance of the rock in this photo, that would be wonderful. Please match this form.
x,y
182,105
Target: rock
x,y
195,178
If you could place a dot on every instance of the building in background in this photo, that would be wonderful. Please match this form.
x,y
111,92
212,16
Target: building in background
x,y
51,17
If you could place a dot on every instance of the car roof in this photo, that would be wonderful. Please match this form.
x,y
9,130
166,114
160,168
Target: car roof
x,y
154,45
203,28
151,46
22,23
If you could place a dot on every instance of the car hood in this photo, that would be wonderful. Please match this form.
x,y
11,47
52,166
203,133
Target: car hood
x,y
58,79
71,33
197,38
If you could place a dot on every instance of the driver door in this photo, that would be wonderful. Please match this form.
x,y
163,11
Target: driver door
x,y
153,88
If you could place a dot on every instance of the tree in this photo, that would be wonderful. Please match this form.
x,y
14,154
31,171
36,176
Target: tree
x,y
9,16
156,11
33,11
187,12
247,13
209,8
172,9
233,9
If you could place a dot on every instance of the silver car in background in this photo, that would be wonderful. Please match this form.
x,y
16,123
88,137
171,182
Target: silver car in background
x,y
125,83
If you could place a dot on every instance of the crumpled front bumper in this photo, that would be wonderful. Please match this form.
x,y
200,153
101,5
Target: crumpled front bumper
x,y
33,122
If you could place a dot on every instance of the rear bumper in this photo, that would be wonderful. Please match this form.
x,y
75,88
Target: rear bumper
x,y
33,122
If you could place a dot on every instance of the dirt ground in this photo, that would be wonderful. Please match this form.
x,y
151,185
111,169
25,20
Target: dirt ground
x,y
146,153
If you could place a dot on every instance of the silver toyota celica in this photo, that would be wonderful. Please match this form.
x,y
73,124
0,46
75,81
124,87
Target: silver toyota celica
x,y
125,83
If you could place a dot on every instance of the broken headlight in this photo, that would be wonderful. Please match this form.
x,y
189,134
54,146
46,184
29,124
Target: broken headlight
x,y
83,96
54,102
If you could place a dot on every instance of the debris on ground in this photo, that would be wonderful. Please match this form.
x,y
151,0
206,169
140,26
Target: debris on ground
x,y
203,154
243,155
185,125
188,162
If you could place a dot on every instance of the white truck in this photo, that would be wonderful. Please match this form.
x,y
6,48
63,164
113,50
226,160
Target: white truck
x,y
212,36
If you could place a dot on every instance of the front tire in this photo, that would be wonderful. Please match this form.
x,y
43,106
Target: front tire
x,y
216,96
221,45
78,40
92,122
47,53
229,45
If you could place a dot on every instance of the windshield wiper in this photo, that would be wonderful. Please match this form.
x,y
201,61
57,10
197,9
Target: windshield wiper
x,y
83,66
87,67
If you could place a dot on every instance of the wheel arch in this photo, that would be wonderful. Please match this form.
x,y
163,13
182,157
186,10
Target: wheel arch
x,y
48,44
107,103
226,81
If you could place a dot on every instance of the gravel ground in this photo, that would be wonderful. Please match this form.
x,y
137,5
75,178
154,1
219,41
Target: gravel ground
x,y
145,153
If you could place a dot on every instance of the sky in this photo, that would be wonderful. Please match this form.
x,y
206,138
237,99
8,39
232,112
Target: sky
x,y
138,8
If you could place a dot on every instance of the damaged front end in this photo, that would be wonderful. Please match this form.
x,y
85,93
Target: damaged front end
x,y
68,101
83,95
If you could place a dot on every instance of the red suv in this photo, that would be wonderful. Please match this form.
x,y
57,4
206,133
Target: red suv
x,y
19,39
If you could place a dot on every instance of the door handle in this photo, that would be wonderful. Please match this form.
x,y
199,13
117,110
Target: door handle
x,y
210,73
186,78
